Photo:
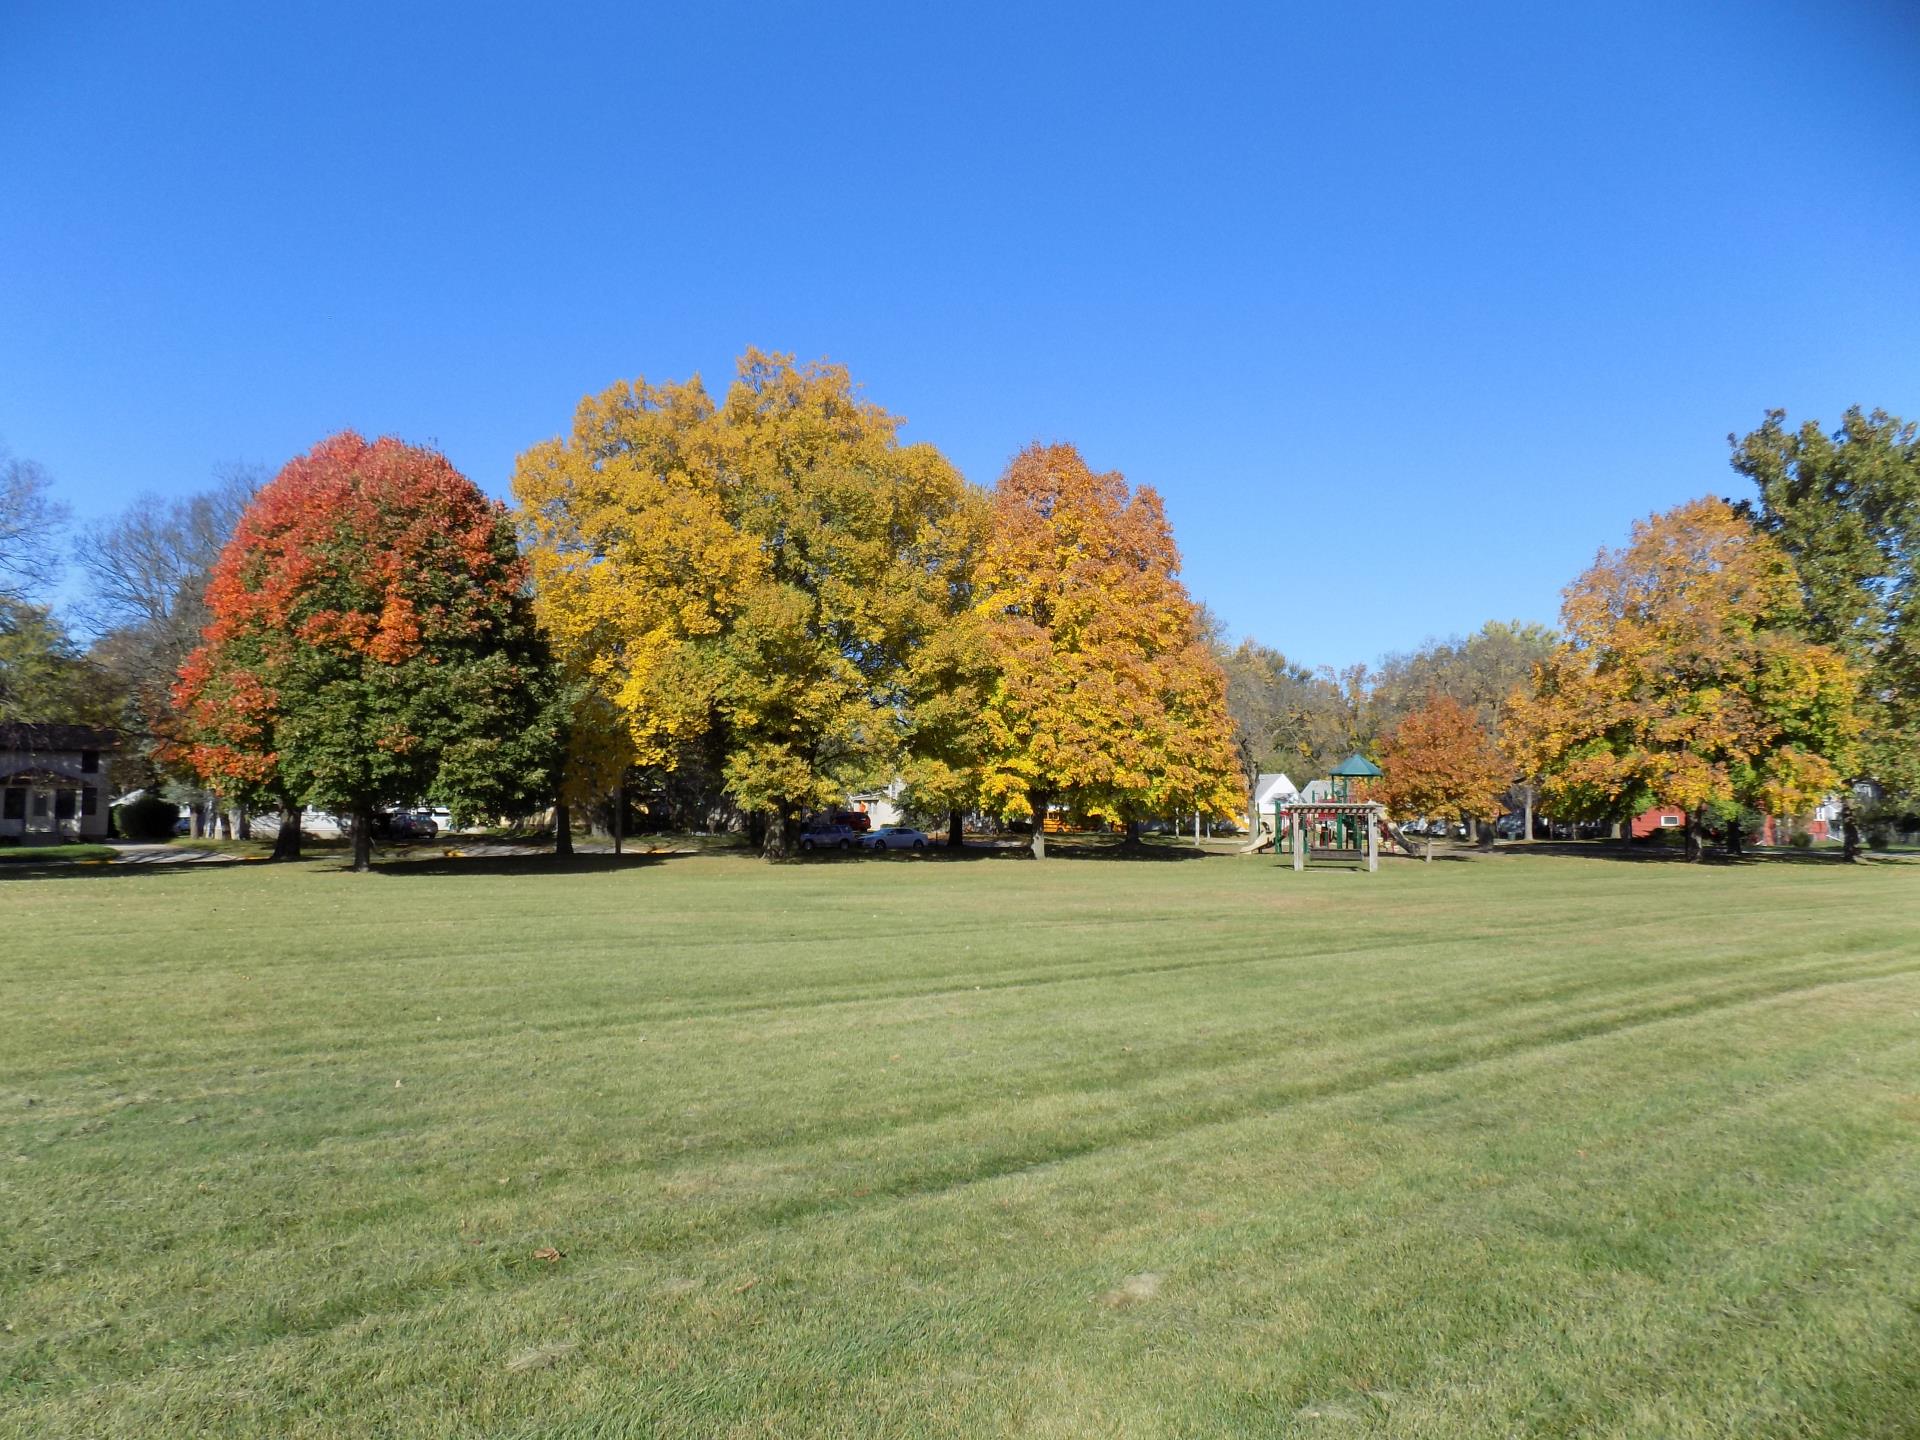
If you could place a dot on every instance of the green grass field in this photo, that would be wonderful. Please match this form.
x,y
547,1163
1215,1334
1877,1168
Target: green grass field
x,y
1511,1146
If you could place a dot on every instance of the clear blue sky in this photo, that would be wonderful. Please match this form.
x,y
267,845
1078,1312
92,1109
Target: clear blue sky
x,y
1452,291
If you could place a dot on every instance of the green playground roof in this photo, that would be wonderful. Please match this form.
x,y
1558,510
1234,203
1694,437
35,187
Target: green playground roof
x,y
1357,764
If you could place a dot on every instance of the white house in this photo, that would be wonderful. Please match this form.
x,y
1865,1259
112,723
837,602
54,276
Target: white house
x,y
51,778
882,807
1273,789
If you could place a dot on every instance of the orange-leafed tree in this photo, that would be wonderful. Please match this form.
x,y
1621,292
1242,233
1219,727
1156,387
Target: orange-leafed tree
x,y
1107,695
1440,760
371,642
1685,679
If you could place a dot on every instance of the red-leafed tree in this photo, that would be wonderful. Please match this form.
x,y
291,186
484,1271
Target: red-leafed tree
x,y
371,643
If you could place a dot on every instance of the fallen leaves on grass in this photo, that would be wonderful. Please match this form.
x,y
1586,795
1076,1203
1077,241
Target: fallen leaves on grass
x,y
541,1356
549,1254
1132,1291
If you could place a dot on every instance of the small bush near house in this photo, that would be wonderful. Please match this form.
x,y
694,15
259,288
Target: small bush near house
x,y
1800,840
148,817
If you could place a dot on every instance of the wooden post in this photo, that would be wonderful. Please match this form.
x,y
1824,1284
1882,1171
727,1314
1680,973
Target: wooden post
x,y
1299,841
1373,841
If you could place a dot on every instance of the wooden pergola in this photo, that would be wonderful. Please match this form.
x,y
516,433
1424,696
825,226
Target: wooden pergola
x,y
1365,815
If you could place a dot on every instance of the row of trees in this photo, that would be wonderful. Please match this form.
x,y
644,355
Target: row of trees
x,y
778,581
1733,660
772,600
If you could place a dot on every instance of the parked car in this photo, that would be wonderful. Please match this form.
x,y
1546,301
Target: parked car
x,y
895,837
1510,827
825,835
405,825
857,821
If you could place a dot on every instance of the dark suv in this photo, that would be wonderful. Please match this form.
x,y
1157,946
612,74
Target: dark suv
x,y
405,825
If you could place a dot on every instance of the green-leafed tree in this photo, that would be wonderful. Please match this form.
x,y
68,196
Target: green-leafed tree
x,y
44,677
1846,509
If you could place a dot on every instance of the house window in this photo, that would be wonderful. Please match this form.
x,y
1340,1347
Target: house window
x,y
39,804
15,805
90,801
1669,821
90,762
63,804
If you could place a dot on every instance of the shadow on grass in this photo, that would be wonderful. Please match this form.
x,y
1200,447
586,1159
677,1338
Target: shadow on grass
x,y
1648,854
337,863
548,864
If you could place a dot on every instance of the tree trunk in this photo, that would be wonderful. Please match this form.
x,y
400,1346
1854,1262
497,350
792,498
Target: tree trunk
x,y
362,841
778,843
226,823
1037,802
1735,838
562,828
286,844
1527,808
956,831
1133,832
1695,849
1849,831
1428,858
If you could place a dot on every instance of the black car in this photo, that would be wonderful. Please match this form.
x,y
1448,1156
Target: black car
x,y
405,825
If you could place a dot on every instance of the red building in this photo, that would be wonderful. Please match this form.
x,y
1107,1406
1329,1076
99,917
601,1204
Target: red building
x,y
1772,832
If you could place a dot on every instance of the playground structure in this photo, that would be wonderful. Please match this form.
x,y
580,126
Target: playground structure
x,y
1339,828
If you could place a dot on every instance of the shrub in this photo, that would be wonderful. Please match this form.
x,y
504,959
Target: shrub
x,y
1879,835
149,817
1800,840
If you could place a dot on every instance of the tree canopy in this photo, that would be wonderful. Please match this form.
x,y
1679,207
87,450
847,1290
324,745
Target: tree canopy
x,y
1107,693
767,569
1684,679
371,642
1845,508
1439,759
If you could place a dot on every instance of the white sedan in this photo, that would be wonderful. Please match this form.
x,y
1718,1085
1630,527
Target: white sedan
x,y
895,837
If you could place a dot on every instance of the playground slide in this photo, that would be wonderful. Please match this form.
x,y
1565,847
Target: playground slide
x,y
1393,833
1261,843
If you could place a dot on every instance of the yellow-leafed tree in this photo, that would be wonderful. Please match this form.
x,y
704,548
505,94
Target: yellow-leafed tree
x,y
1685,679
1107,695
764,569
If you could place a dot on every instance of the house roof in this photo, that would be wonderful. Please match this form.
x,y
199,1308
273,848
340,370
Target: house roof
x,y
1357,764
36,737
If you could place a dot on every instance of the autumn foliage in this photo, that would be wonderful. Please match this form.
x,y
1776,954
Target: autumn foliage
x,y
371,642
1685,680
1440,760
758,575
1106,693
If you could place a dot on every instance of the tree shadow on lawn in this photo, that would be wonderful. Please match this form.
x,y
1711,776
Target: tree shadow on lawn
x,y
1009,850
1654,854
588,864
